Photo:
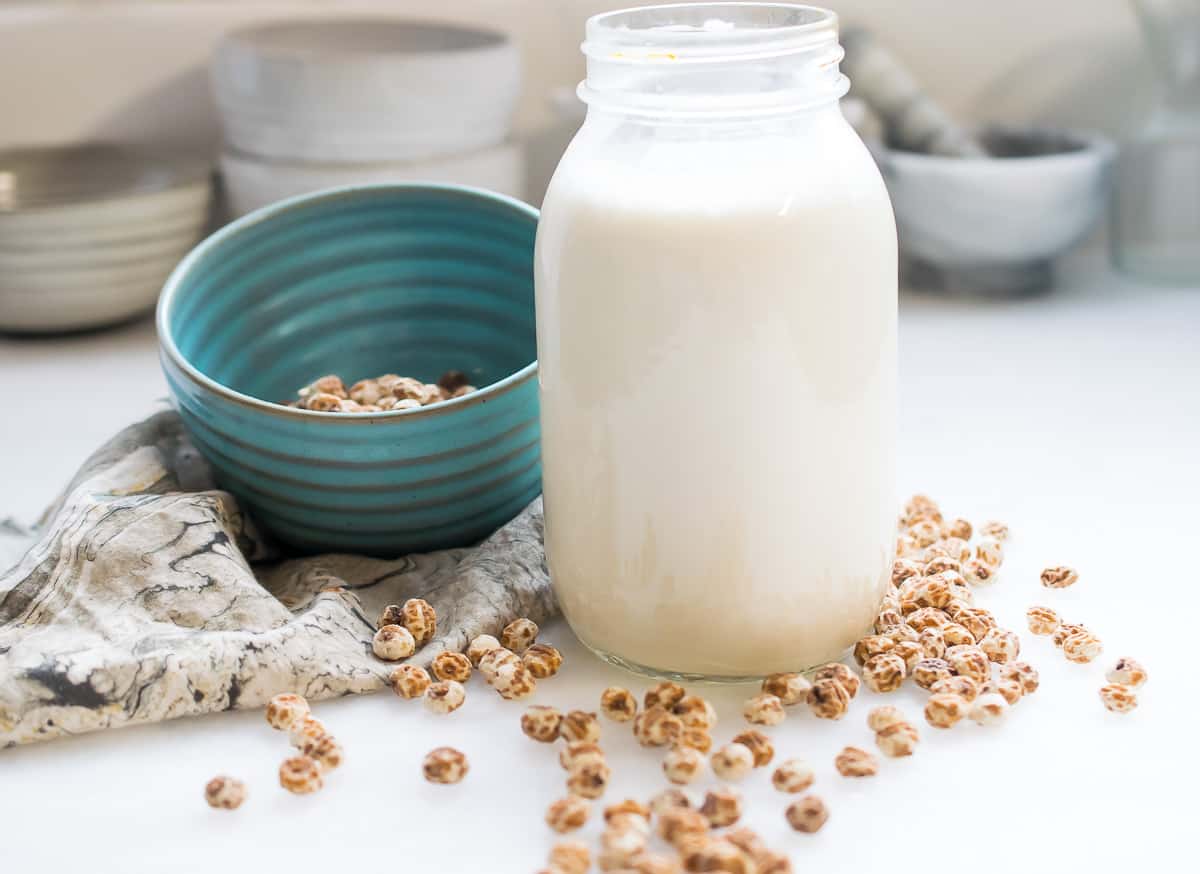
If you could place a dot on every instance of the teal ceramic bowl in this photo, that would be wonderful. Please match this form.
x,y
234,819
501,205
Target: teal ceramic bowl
x,y
408,279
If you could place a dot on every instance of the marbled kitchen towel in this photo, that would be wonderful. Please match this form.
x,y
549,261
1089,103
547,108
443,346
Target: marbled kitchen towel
x,y
145,594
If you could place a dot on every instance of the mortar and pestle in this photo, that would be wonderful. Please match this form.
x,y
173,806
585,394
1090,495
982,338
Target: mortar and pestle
x,y
981,212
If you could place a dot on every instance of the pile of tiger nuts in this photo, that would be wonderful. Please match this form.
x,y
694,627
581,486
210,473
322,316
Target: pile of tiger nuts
x,y
689,832
388,392
928,629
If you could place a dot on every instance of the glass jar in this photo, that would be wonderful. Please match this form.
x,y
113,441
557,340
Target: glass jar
x,y
716,306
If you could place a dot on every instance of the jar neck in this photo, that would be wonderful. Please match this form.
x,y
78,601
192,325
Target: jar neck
x,y
707,60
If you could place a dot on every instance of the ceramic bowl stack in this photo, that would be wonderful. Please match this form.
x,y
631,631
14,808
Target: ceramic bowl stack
x,y
309,105
89,233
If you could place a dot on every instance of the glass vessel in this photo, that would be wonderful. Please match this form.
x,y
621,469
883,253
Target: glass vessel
x,y
1156,219
716,311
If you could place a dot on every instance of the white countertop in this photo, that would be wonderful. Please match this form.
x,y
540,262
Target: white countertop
x,y
1075,418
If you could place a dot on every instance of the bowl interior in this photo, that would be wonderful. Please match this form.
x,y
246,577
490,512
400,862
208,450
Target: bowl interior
x,y
406,279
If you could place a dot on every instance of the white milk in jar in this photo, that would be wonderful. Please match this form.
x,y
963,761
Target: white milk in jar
x,y
716,304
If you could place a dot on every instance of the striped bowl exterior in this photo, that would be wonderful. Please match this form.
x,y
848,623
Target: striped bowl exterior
x,y
408,279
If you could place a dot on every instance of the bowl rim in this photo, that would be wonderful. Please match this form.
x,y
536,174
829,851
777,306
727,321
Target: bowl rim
x,y
169,349
1095,147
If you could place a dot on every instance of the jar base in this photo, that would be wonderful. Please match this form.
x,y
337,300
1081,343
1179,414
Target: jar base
x,y
653,673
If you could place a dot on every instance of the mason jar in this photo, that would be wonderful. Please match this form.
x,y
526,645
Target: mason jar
x,y
716,319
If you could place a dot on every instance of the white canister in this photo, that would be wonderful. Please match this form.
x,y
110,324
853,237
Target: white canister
x,y
716,305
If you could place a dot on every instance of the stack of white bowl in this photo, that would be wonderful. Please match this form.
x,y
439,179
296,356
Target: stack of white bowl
x,y
314,104
88,234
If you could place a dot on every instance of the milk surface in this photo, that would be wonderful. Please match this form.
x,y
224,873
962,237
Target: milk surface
x,y
717,345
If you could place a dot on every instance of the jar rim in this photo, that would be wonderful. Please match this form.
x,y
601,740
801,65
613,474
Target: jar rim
x,y
707,32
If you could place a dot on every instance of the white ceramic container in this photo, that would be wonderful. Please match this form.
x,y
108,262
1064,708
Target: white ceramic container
x,y
365,90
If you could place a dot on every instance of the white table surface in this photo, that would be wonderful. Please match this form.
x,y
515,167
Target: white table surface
x,y
1075,418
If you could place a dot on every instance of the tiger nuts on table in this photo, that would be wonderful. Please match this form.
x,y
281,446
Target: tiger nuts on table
x,y
519,635
1024,674
445,765
480,646
828,699
570,857
1118,698
1010,690
994,530
978,572
856,762
541,723
927,617
933,643
897,740
513,682
682,764
300,775
969,661
881,717
721,807
393,642
759,745
576,753
445,696
1082,647
885,672
793,775
1059,577
495,660
665,695
944,709
588,779
905,569
283,710
451,666
1001,646
667,800
304,729
225,793
871,646
990,550
988,709
1065,630
695,712
618,704
911,652
579,725
964,687
409,681
696,738
542,660
807,814
1042,620
789,688
325,751
929,670
925,532
839,673
420,619
618,848
733,761
763,709
678,823
1126,672
957,635
567,814
655,727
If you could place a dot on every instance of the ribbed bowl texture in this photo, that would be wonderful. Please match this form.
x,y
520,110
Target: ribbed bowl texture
x,y
362,281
